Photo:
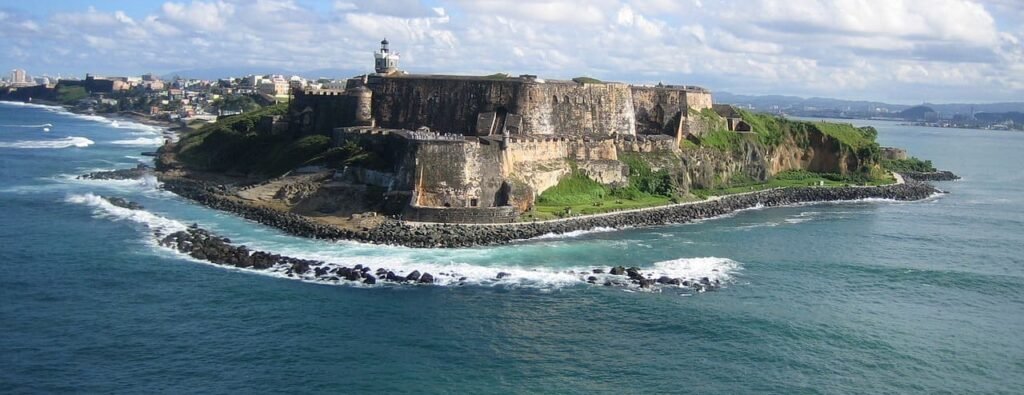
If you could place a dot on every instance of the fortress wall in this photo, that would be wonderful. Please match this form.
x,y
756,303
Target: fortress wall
x,y
698,100
448,105
457,174
321,113
439,172
569,108
648,145
658,110
583,150
473,215
607,172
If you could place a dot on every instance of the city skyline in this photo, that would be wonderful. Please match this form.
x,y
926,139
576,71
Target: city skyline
x,y
902,52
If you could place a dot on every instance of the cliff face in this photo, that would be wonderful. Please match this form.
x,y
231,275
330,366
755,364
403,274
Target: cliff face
x,y
814,151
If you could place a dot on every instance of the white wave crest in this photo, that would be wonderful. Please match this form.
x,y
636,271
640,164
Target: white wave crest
x,y
104,209
66,142
575,233
45,125
22,104
141,141
714,268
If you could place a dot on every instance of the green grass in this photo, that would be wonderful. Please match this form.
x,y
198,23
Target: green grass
x,y
576,189
607,204
236,144
579,195
722,140
587,80
795,178
909,164
771,130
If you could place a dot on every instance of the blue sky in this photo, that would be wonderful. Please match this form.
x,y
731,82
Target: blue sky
x,y
905,51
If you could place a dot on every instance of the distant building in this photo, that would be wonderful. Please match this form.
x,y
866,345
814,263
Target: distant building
x,y
18,76
276,86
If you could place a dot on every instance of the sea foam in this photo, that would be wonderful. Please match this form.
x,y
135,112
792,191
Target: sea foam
x,y
66,142
103,209
141,141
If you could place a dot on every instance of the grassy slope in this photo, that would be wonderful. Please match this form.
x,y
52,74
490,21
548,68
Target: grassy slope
x,y
236,144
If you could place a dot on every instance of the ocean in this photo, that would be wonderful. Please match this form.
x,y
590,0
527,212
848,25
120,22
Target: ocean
x,y
856,297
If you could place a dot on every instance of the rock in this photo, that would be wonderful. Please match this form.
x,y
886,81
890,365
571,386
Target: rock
x,y
598,271
705,281
414,276
502,275
354,275
618,271
300,267
646,283
664,280
592,279
426,278
370,279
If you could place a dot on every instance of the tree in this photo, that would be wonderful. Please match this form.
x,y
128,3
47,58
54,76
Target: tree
x,y
71,94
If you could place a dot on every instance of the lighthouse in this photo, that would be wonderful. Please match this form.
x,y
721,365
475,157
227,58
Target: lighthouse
x,y
386,62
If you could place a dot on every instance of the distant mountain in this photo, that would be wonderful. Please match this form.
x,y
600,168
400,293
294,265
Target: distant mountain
x,y
214,73
919,113
795,102
790,103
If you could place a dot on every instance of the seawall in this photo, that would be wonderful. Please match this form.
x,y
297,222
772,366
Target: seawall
x,y
467,235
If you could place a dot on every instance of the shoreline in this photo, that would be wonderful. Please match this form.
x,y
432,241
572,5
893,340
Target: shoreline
x,y
130,116
433,235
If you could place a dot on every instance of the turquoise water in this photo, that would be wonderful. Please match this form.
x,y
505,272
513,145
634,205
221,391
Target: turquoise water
x,y
861,297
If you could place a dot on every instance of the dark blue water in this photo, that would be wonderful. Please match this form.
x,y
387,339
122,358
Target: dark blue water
x,y
863,297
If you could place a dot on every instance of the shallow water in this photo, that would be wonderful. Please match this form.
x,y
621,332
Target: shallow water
x,y
860,297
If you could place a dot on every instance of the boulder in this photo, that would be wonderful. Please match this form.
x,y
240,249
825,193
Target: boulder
x,y
426,278
370,279
414,276
618,271
502,275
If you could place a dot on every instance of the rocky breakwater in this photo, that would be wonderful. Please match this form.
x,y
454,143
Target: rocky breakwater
x,y
941,175
466,235
203,245
138,172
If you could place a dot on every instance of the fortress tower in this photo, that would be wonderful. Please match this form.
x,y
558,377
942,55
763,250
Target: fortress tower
x,y
386,62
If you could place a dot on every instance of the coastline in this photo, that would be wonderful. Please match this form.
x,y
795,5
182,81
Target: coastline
x,y
442,235
431,235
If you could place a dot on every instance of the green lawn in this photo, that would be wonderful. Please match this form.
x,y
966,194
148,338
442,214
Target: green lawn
x,y
545,211
796,178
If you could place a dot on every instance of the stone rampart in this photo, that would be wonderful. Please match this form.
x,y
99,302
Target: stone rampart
x,y
465,215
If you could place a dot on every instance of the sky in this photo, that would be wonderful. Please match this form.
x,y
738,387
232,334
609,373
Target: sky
x,y
899,51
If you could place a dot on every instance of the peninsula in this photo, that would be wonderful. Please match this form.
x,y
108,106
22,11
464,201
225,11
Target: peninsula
x,y
448,161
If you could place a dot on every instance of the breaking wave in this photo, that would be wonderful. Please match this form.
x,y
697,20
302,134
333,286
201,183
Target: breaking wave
x,y
66,142
103,209
141,141
403,261
575,233
45,125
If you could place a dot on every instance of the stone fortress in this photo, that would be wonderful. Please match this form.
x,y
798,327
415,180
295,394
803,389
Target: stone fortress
x,y
480,149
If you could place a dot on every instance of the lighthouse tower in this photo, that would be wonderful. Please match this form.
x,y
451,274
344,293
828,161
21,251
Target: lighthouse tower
x,y
386,62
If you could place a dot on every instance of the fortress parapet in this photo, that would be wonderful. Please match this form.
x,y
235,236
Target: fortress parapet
x,y
452,148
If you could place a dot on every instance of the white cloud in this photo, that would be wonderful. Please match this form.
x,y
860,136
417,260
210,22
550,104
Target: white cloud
x,y
201,15
858,48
